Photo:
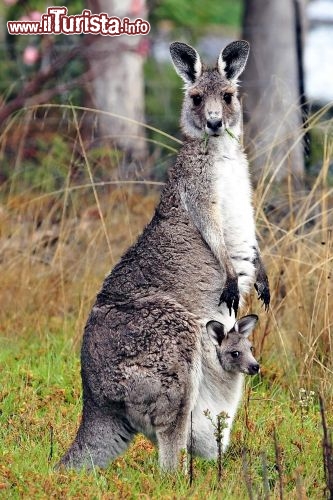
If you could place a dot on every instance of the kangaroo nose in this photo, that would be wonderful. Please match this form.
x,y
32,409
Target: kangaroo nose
x,y
255,368
214,124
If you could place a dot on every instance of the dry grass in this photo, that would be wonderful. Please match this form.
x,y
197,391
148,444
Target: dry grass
x,y
297,241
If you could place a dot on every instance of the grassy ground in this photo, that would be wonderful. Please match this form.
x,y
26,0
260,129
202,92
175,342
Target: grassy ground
x,y
41,402
57,244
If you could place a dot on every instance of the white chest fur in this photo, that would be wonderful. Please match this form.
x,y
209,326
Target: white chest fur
x,y
233,193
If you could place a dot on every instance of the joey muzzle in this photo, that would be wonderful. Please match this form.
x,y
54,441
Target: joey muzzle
x,y
254,369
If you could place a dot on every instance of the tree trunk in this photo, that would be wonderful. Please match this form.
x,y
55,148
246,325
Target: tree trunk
x,y
118,85
272,115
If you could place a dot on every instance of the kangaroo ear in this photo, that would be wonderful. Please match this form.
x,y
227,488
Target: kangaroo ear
x,y
246,324
232,59
216,330
186,61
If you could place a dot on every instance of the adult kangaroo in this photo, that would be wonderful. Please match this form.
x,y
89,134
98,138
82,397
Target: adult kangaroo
x,y
199,254
152,385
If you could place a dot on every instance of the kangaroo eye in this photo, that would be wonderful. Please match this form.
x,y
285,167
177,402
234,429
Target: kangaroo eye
x,y
235,354
227,97
252,349
197,99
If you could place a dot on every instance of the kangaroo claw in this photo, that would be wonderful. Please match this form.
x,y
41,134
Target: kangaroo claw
x,y
230,296
263,293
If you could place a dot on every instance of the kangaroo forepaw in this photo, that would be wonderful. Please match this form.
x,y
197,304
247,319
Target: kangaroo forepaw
x,y
263,293
230,296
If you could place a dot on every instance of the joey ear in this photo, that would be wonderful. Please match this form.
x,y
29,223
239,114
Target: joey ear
x,y
246,324
186,61
216,330
232,59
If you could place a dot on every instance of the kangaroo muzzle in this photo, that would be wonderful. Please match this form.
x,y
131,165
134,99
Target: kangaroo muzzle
x,y
213,115
214,125
253,369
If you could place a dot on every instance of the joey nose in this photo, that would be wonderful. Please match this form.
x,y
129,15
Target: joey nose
x,y
254,368
214,124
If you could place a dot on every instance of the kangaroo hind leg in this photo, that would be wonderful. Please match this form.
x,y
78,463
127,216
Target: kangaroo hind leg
x,y
101,438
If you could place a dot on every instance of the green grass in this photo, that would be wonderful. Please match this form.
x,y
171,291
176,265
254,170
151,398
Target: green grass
x,y
41,395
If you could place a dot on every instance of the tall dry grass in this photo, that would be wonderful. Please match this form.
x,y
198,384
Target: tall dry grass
x,y
297,240
56,246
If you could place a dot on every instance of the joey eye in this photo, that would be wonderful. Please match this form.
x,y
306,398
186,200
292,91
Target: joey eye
x,y
227,97
235,354
252,349
197,99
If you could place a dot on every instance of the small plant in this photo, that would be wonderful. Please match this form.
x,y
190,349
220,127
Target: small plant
x,y
305,400
219,425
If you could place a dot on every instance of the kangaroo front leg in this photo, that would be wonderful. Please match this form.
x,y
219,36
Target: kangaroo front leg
x,y
206,215
230,292
261,285
213,235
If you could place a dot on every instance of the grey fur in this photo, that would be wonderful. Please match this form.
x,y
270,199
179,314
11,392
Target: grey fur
x,y
146,379
137,377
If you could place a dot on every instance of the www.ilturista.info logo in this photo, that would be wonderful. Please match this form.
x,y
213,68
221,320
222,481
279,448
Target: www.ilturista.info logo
x,y
56,21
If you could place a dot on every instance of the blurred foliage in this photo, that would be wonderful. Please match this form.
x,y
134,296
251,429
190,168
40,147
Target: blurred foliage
x,y
169,18
163,96
12,67
321,141
49,168
197,15
163,86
